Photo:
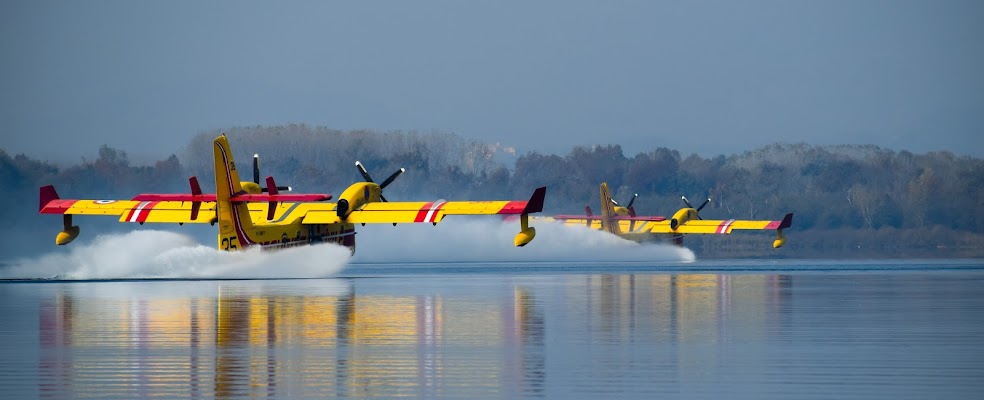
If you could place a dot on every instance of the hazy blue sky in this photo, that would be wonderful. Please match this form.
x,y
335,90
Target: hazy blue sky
x,y
708,77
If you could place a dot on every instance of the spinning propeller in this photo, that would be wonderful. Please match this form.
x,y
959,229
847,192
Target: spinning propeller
x,y
630,201
365,175
256,175
628,208
698,208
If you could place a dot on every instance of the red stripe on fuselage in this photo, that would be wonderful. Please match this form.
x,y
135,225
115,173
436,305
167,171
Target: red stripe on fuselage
x,y
228,171
244,240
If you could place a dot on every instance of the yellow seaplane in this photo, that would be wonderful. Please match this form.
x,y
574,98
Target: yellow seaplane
x,y
624,222
250,215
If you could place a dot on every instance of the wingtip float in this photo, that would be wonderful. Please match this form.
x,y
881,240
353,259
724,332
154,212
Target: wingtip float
x,y
786,222
49,197
251,215
534,205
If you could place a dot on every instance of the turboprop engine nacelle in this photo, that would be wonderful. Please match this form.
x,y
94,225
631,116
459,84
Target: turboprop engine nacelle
x,y
355,196
682,216
251,187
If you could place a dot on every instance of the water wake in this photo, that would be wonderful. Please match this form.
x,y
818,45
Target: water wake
x,y
491,240
148,254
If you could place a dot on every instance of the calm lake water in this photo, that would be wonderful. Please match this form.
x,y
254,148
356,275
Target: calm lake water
x,y
748,329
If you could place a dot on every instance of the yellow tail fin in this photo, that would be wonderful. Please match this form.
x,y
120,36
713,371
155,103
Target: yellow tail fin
x,y
233,218
608,223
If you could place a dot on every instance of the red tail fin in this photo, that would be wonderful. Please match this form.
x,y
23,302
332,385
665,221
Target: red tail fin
x,y
48,194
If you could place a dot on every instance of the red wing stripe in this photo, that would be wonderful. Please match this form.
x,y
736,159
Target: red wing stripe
x,y
59,206
432,214
146,212
723,228
135,212
129,215
513,207
423,212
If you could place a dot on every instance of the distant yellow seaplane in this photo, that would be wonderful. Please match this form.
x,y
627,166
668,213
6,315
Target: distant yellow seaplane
x,y
624,222
250,215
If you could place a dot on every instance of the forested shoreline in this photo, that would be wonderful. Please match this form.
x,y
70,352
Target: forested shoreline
x,y
849,201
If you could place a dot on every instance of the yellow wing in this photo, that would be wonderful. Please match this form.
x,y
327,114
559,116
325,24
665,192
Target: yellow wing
x,y
707,226
311,212
135,211
414,212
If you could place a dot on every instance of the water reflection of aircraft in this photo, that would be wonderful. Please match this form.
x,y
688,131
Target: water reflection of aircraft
x,y
327,338
248,217
246,340
624,222
683,311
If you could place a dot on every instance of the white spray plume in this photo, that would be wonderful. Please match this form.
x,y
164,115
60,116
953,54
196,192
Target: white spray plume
x,y
148,254
459,239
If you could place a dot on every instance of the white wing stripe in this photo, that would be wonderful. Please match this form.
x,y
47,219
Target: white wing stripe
x,y
136,213
432,212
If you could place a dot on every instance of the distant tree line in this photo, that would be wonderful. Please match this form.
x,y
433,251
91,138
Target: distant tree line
x,y
848,200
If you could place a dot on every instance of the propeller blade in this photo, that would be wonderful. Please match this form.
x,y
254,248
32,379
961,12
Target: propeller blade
x,y
702,205
382,198
362,170
632,201
613,201
391,178
686,202
256,169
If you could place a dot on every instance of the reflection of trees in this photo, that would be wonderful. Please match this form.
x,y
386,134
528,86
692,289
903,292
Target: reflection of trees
x,y
680,308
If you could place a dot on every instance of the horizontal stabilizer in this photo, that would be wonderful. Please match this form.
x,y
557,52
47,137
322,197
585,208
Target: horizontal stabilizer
x,y
173,197
242,198
616,218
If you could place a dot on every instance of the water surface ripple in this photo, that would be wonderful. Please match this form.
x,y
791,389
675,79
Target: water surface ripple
x,y
742,330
